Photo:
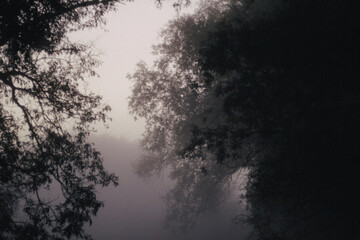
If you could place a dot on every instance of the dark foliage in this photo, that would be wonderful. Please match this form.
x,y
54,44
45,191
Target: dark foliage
x,y
277,91
45,117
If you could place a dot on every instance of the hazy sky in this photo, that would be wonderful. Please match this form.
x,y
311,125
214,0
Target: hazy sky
x,y
129,34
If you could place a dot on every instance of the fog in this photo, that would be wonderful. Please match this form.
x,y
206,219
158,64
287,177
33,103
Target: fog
x,y
128,37
264,90
135,208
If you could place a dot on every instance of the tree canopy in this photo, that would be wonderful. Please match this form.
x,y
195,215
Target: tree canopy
x,y
45,119
266,87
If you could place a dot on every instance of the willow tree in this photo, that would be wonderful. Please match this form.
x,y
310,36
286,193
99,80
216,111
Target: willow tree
x,y
45,118
269,87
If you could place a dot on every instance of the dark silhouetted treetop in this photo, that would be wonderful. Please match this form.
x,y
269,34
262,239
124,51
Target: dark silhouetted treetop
x,y
45,118
266,86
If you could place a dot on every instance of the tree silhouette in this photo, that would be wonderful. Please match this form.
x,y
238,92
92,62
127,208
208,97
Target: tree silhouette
x,y
178,106
269,87
45,118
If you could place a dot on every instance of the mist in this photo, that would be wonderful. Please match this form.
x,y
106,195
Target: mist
x,y
223,89
135,209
